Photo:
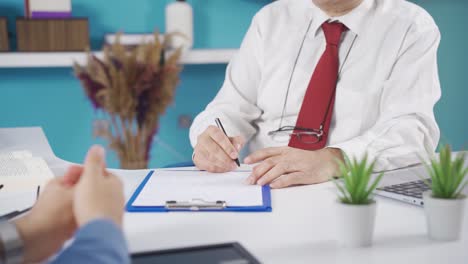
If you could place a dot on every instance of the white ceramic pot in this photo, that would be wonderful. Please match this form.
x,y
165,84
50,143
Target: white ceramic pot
x,y
444,217
355,224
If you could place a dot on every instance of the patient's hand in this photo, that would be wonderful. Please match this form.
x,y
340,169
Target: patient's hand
x,y
50,222
83,194
99,194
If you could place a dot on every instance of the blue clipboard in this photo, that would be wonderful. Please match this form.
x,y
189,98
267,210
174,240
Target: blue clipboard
x,y
266,207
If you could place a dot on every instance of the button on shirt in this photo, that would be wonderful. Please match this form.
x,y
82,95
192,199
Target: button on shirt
x,y
387,88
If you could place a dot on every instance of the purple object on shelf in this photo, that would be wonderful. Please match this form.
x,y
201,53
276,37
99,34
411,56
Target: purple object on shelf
x,y
50,15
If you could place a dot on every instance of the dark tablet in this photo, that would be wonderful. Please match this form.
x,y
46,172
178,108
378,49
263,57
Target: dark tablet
x,y
229,253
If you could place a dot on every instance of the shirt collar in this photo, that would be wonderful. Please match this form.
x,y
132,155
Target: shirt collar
x,y
354,20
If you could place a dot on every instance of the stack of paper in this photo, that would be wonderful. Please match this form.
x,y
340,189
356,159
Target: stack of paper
x,y
20,176
21,172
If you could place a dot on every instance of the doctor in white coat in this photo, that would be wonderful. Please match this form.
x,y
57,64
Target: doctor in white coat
x,y
317,79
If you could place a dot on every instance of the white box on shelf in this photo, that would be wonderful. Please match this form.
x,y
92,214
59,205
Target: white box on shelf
x,y
131,39
48,9
50,5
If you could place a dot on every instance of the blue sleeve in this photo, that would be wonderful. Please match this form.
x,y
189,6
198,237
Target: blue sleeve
x,y
99,242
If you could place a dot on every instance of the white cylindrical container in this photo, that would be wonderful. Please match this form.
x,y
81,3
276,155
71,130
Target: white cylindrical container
x,y
444,217
355,224
179,18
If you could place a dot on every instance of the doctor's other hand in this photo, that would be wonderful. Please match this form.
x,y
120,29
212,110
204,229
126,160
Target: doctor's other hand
x,y
285,166
99,194
215,152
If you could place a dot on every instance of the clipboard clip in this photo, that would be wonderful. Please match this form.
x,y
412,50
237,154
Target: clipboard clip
x,y
195,205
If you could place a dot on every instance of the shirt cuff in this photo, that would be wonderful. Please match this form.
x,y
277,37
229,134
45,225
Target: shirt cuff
x,y
353,149
199,125
357,148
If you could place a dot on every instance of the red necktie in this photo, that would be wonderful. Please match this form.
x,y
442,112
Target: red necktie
x,y
317,106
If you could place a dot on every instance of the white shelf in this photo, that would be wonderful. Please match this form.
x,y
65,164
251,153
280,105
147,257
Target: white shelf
x,y
66,59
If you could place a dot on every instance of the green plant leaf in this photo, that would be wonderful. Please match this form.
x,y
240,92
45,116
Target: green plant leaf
x,y
363,177
356,178
447,174
345,170
437,190
345,197
374,184
458,176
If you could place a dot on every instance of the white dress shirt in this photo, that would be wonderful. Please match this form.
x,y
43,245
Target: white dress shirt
x,y
387,87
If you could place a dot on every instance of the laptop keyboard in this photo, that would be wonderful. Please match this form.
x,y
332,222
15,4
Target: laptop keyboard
x,y
413,189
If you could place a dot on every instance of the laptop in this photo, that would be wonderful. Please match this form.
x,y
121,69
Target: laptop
x,y
409,192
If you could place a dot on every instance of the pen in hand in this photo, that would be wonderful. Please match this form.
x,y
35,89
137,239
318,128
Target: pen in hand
x,y
220,126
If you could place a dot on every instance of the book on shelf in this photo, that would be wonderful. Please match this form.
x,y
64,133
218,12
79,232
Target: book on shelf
x,y
4,41
27,11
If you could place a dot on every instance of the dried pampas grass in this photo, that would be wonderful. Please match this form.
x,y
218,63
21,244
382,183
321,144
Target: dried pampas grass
x,y
132,88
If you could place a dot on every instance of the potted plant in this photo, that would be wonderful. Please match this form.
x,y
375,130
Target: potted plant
x,y
444,204
356,207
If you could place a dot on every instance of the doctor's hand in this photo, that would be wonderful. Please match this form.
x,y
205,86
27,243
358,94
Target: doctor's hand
x,y
215,152
285,166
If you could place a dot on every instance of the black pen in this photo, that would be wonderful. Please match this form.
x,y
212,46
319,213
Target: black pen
x,y
14,214
220,126
1,186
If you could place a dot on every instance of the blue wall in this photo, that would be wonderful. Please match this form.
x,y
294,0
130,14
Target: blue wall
x,y
53,98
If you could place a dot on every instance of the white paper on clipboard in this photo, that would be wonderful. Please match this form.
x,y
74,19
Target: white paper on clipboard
x,y
187,185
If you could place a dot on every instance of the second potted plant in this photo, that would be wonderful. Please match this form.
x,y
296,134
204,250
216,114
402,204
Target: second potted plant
x,y
356,208
444,204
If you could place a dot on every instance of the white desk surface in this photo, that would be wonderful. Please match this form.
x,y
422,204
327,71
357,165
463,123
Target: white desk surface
x,y
301,228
